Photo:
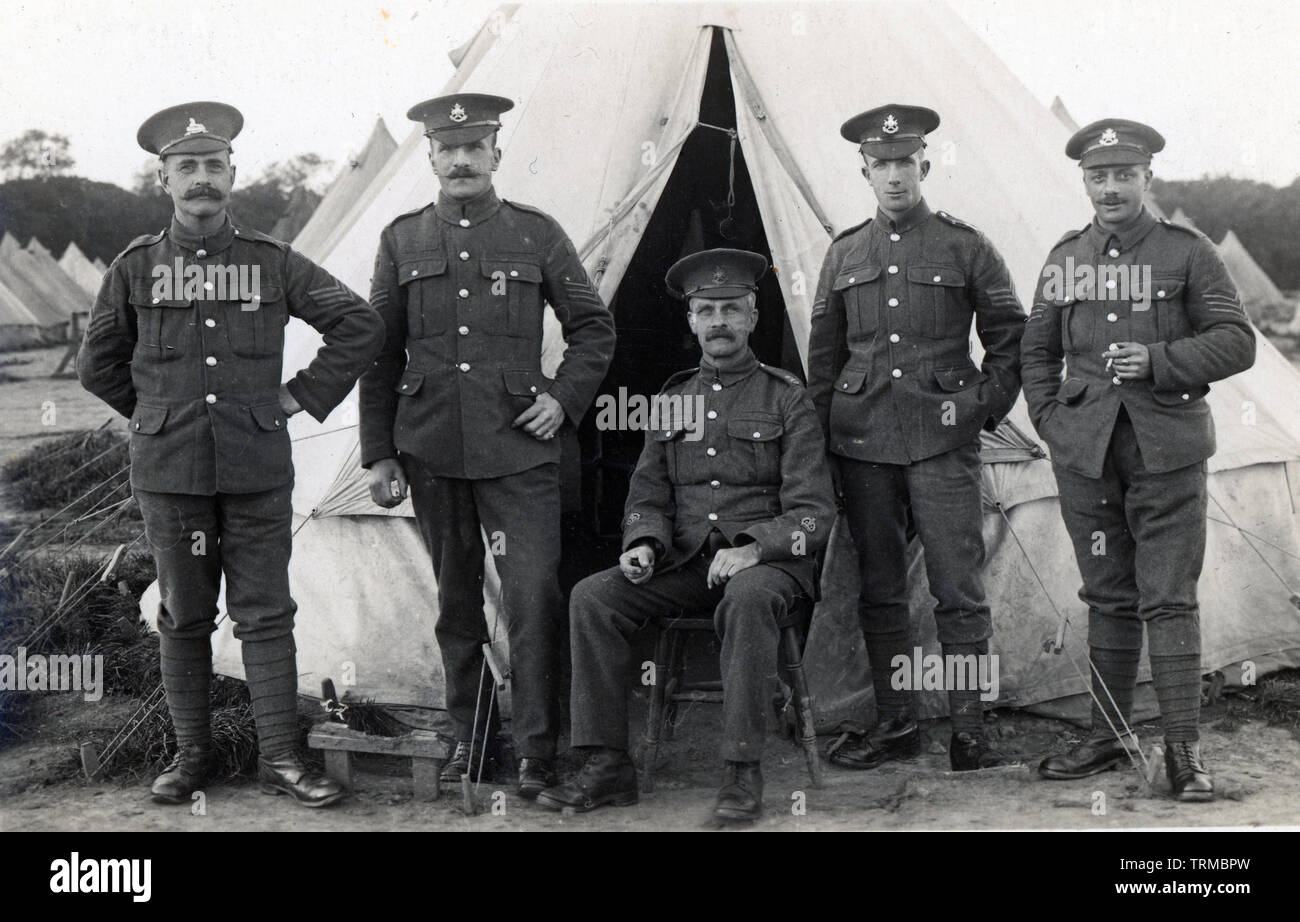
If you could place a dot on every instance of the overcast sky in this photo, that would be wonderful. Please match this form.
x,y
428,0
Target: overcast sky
x,y
1217,77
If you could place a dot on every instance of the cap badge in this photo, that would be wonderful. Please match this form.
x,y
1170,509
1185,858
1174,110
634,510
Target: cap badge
x,y
1108,137
891,125
458,113
195,127
719,276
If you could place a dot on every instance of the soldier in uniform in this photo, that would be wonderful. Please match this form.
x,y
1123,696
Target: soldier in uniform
x,y
726,518
457,407
1130,432
902,406
186,339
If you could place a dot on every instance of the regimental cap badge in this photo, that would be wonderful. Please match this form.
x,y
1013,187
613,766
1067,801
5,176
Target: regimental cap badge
x,y
891,124
1108,137
719,275
190,128
195,127
458,113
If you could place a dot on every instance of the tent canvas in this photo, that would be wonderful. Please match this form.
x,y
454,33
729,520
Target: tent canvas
x,y
302,204
21,272
1253,283
80,269
19,327
643,184
71,297
343,193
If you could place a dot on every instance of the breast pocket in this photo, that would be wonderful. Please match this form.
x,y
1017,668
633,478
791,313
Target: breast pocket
x,y
756,447
939,307
861,288
671,440
1170,310
513,300
256,325
421,278
164,327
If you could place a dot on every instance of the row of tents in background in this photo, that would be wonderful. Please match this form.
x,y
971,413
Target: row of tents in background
x,y
45,302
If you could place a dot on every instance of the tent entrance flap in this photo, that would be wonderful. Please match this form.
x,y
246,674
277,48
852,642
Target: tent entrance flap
x,y
708,201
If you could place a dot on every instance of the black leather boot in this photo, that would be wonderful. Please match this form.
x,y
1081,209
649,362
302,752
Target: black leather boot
x,y
186,774
969,751
607,777
895,738
1187,776
1098,751
459,763
535,776
286,774
741,794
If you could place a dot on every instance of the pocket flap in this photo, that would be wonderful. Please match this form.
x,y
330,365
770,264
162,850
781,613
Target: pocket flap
x,y
755,428
269,416
1187,395
410,383
1071,391
936,275
525,382
147,420
666,435
512,270
142,296
408,270
850,380
265,294
1166,289
857,275
958,379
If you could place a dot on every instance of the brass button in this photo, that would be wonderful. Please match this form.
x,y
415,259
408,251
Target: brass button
x,y
464,222
893,270
208,286
464,254
1113,252
893,337
464,366
209,322
844,386
415,272
1110,283
464,292
713,483
1112,317
200,253
532,389
463,331
895,237
1187,396
210,361
852,280
713,516
758,435
897,373
1160,293
712,414
514,273
711,451
1115,380
211,398
717,386
155,300
893,302
938,278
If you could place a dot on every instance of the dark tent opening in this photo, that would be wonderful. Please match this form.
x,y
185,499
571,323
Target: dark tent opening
x,y
708,202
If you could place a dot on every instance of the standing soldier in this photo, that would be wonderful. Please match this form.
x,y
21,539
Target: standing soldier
x,y
902,406
457,407
1140,335
186,338
728,517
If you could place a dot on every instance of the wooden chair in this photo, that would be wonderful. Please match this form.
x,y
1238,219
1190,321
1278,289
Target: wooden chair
x,y
670,688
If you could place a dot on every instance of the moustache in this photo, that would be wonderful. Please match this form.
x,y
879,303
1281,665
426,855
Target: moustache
x,y
719,334
204,192
462,174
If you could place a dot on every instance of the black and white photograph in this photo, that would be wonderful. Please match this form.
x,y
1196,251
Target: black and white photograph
x,y
830,416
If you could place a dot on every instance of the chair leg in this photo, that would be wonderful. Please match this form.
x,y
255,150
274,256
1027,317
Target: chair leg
x,y
803,703
655,718
675,669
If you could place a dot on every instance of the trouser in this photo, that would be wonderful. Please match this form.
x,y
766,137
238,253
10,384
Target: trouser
x,y
248,538
1139,539
941,494
605,610
521,515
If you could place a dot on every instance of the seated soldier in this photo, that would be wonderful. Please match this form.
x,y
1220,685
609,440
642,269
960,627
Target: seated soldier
x,y
727,516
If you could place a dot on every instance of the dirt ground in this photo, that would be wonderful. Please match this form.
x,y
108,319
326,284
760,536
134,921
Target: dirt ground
x,y
41,788
1253,765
